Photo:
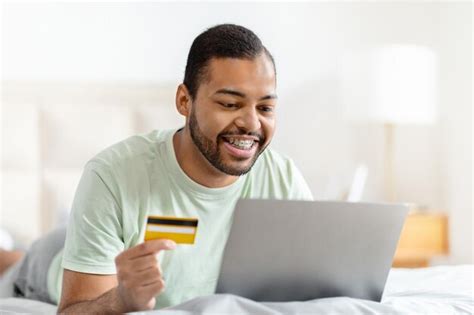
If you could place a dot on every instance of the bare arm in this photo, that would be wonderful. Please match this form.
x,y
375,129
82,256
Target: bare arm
x,y
89,293
134,288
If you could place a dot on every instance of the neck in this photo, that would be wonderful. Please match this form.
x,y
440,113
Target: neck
x,y
195,165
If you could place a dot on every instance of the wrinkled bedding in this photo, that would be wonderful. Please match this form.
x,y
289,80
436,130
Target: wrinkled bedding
x,y
435,290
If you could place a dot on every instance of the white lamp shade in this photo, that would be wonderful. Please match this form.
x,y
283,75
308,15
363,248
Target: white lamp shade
x,y
391,84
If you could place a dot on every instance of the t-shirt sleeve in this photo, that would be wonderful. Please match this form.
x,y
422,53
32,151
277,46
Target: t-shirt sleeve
x,y
94,234
299,189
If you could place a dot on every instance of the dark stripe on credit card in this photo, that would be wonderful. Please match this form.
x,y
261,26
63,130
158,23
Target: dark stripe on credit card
x,y
172,222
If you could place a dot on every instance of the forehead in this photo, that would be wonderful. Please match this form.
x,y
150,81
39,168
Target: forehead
x,y
254,77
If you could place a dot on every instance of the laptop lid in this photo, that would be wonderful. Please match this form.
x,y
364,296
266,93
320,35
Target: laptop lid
x,y
282,250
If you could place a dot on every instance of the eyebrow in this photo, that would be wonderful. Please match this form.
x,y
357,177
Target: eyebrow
x,y
240,94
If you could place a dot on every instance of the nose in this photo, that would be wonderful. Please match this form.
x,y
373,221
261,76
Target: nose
x,y
248,120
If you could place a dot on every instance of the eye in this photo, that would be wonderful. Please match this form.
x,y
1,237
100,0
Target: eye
x,y
228,105
266,109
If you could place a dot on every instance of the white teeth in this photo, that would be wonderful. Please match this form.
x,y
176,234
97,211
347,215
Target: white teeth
x,y
244,144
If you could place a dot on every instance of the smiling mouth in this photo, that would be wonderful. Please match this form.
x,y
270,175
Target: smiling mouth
x,y
239,143
241,148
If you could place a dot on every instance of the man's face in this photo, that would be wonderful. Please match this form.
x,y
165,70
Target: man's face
x,y
232,119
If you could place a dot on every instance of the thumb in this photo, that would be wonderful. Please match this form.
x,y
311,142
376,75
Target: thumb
x,y
151,304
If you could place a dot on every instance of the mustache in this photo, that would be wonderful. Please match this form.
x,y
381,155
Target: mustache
x,y
261,137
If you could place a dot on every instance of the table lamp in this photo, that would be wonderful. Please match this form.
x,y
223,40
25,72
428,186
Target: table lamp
x,y
391,85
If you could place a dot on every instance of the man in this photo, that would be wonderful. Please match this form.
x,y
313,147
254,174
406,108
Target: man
x,y
228,98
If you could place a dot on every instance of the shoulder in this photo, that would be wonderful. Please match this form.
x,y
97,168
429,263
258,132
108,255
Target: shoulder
x,y
129,164
274,162
274,169
130,152
275,175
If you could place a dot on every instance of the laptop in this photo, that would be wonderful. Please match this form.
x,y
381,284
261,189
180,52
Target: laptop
x,y
282,250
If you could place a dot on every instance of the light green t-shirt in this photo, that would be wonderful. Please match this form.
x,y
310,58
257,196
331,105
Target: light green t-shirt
x,y
140,176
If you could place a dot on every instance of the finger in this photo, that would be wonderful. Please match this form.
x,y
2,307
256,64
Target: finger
x,y
155,287
151,290
146,248
143,262
147,276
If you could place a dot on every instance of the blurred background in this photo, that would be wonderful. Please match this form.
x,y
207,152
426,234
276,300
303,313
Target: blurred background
x,y
375,102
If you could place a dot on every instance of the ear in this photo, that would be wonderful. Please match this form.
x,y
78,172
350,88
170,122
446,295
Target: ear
x,y
183,100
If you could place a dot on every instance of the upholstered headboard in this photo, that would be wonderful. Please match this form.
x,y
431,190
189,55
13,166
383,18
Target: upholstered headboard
x,y
50,130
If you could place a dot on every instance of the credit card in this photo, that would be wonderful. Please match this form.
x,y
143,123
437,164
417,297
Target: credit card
x,y
180,230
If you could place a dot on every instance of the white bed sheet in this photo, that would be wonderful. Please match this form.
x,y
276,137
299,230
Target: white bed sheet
x,y
435,290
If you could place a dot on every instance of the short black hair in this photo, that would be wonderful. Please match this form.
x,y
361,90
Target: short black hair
x,y
220,41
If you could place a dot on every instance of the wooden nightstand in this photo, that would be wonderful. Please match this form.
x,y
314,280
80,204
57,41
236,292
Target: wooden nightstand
x,y
424,235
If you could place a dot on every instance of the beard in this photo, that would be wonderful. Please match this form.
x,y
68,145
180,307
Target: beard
x,y
211,150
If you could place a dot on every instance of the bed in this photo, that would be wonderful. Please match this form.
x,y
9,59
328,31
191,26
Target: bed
x,y
434,290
